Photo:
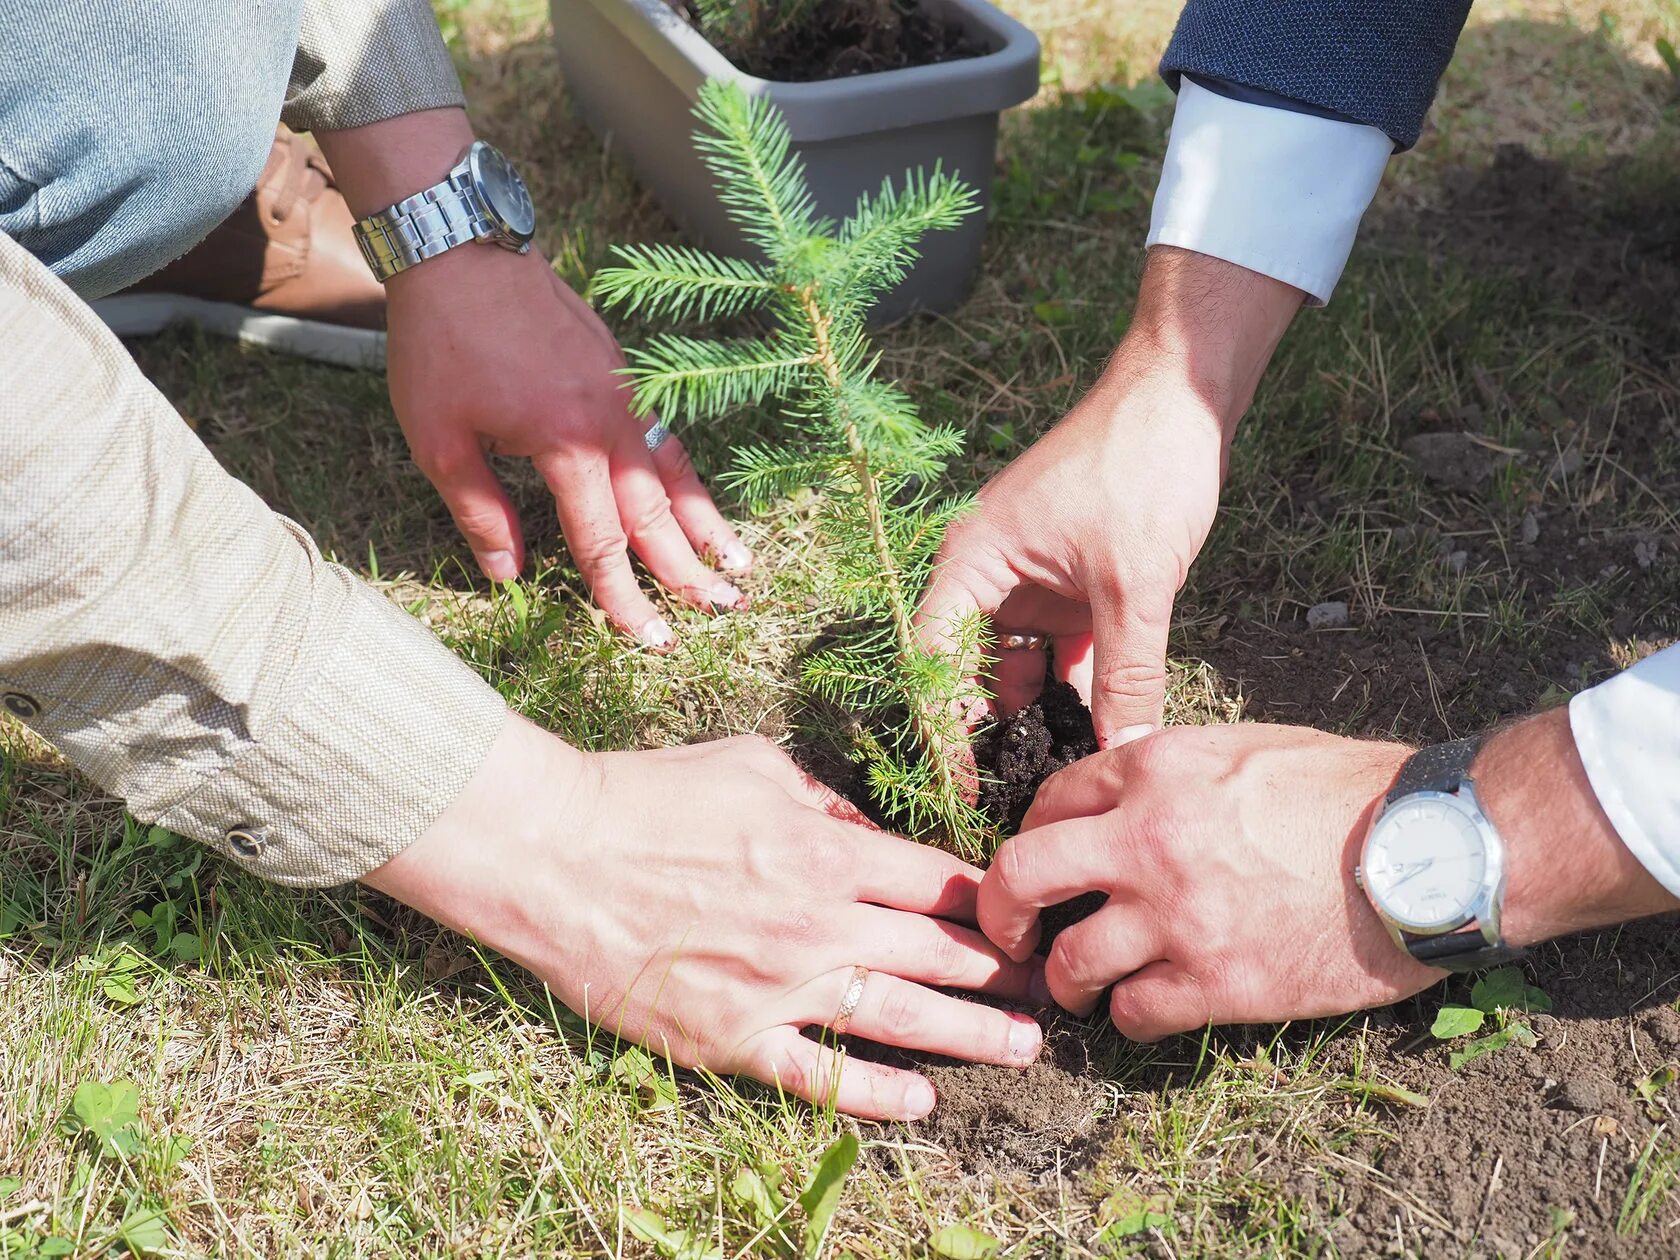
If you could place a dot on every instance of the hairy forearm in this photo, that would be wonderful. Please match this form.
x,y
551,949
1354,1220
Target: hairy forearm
x,y
1567,868
1210,324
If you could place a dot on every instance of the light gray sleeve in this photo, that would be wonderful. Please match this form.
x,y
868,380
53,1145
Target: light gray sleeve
x,y
189,649
363,61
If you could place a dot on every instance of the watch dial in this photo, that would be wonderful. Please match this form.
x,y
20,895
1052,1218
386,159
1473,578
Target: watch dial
x,y
1425,862
504,192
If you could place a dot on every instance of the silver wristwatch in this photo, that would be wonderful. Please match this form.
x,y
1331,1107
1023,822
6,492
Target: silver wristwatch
x,y
1433,864
482,199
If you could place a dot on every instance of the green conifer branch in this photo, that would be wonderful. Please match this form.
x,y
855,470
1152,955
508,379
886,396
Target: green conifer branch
x,y
854,436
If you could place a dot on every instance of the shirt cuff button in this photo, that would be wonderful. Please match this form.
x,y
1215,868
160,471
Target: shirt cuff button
x,y
247,841
20,705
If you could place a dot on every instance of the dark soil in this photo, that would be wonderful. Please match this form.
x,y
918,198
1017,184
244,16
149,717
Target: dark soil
x,y
1018,753
836,39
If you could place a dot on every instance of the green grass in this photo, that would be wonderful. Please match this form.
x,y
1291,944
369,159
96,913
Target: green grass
x,y
332,1075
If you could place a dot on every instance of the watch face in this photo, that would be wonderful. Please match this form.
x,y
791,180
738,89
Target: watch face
x,y
504,193
1426,862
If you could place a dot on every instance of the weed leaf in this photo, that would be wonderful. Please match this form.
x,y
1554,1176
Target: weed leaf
x,y
822,1196
111,1113
145,1231
1507,989
963,1242
1519,1034
1456,1021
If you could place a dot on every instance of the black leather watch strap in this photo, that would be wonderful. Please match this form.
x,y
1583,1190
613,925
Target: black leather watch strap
x,y
1465,950
1437,768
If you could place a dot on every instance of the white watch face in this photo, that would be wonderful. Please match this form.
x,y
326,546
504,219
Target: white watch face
x,y
1426,862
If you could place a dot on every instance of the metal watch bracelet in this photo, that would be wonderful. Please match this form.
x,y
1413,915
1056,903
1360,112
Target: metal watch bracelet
x,y
423,226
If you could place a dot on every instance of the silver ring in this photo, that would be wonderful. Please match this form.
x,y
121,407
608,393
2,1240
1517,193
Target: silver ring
x,y
654,436
849,1003
1021,642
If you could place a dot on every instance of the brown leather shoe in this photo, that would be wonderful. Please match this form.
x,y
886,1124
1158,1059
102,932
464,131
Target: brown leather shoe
x,y
282,271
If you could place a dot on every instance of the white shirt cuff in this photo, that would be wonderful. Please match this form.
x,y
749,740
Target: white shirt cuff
x,y
1627,731
1269,189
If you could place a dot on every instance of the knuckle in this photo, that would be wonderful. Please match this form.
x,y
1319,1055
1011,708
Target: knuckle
x,y
790,1072
597,550
830,857
650,517
442,462
945,961
796,927
1069,959
480,521
678,463
1130,1016
1011,867
1134,680
898,1013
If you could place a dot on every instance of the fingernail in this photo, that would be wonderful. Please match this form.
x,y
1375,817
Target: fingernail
x,y
1129,734
1038,988
498,566
1025,1039
656,634
734,557
918,1100
725,596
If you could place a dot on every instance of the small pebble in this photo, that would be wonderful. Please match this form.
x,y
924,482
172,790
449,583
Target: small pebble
x,y
1458,561
1567,464
1530,528
1645,553
1330,615
1584,1094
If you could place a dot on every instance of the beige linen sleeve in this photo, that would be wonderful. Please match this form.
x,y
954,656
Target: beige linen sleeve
x,y
363,61
189,649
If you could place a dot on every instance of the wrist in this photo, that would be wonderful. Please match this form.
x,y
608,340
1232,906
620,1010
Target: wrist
x,y
487,866
1567,869
382,163
1207,326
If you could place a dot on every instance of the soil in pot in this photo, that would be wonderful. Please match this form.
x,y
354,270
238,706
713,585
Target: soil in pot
x,y
836,39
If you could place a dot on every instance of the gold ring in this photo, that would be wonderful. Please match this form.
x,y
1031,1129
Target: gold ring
x,y
849,1003
1021,642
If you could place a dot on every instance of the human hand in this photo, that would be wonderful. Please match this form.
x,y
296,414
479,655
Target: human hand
x,y
1227,854
489,352
1086,538
711,903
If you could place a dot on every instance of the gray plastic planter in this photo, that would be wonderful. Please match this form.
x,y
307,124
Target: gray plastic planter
x,y
635,68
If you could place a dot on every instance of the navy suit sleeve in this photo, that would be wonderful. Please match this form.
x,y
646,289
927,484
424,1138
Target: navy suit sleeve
x,y
1372,61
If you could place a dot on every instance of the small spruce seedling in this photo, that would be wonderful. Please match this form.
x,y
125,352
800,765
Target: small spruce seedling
x,y
851,435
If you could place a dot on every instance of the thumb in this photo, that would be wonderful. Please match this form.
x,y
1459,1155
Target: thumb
x,y
1129,663
482,510
969,583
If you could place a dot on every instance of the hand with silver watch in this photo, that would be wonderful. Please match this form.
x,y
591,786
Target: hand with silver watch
x,y
489,353
1433,864
1228,856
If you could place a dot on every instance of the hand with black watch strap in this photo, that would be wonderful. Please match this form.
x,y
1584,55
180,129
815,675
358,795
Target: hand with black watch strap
x,y
1433,864
1228,856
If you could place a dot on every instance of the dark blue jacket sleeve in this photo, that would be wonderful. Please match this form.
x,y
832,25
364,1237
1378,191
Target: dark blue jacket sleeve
x,y
1373,61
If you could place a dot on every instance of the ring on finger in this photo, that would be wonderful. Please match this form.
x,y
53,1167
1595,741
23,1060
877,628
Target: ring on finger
x,y
1021,642
654,436
849,1003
